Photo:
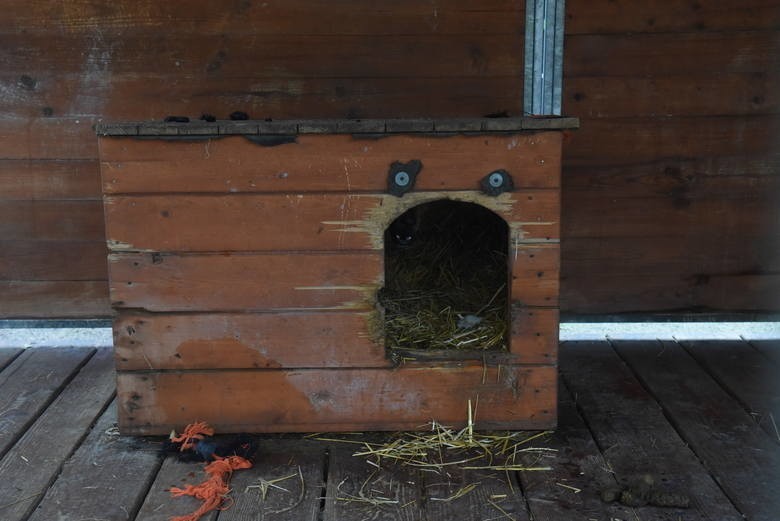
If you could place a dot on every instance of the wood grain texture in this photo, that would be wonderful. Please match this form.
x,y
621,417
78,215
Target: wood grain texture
x,y
673,16
104,465
745,374
244,282
52,260
325,163
70,415
571,489
298,499
740,455
49,179
203,17
299,221
51,220
8,354
630,427
29,299
534,335
21,403
663,54
338,399
225,341
159,505
534,272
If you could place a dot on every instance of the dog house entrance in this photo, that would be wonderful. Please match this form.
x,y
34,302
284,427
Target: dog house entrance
x,y
446,279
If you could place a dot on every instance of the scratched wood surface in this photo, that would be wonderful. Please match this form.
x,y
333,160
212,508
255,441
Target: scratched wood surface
x,y
324,163
301,400
610,419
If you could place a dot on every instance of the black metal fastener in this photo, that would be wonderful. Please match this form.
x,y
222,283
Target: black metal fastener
x,y
402,176
497,182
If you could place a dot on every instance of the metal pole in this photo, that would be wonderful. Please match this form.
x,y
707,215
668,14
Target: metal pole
x,y
543,57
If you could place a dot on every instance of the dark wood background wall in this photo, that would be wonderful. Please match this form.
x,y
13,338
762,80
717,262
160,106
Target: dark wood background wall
x,y
671,187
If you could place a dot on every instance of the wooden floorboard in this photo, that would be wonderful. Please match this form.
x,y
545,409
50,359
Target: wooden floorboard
x,y
769,348
746,375
7,354
105,466
634,435
571,490
678,412
744,460
33,463
285,484
30,383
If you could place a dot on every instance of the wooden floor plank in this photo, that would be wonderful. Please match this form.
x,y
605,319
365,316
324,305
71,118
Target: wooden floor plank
x,y
635,437
30,383
495,495
107,477
159,505
352,483
297,499
769,348
571,490
35,460
747,375
744,460
7,355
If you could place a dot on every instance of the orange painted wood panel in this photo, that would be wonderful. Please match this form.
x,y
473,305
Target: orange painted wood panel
x,y
245,282
509,397
534,335
297,222
325,163
145,341
535,271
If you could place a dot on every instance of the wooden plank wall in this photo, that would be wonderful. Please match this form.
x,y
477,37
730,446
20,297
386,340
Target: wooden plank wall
x,y
669,187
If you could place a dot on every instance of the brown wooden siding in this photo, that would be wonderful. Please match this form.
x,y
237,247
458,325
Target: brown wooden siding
x,y
670,187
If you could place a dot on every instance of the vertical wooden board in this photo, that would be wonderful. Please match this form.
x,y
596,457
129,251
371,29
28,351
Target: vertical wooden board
x,y
300,221
35,460
630,427
325,163
308,400
356,490
239,341
745,461
7,355
746,375
571,489
160,506
295,470
249,282
106,478
534,335
535,271
30,383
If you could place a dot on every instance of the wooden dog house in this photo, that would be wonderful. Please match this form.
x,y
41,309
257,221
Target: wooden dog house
x,y
246,259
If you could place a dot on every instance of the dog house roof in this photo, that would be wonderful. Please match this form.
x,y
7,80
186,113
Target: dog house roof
x,y
335,126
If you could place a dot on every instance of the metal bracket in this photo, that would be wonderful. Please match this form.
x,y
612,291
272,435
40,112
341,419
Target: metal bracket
x,y
402,176
543,57
497,182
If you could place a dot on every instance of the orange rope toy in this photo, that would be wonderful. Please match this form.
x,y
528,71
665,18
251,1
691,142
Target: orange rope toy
x,y
214,490
193,433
